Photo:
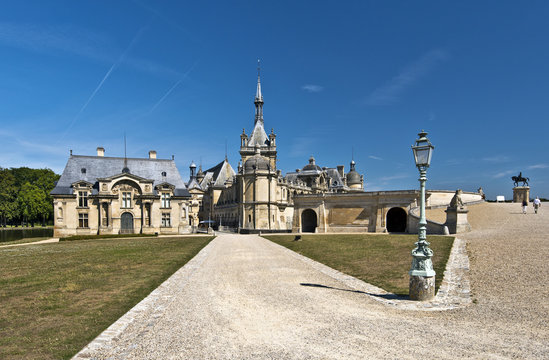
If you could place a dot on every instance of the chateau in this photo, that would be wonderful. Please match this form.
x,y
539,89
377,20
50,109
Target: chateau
x,y
113,195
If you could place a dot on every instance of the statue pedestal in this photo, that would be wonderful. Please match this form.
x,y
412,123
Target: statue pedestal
x,y
422,288
456,220
521,193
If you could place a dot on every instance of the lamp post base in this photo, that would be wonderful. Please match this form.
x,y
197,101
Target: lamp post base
x,y
422,288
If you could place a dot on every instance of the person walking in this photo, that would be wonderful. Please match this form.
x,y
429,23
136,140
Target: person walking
x,y
537,204
524,206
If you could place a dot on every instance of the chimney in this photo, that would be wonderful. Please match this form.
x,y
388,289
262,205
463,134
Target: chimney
x,y
100,151
152,154
340,170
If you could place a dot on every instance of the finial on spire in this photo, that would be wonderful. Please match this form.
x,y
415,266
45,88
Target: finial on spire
x,y
124,145
258,96
258,101
125,169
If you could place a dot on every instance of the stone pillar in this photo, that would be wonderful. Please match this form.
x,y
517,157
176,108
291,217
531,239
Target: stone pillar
x,y
521,193
456,220
422,288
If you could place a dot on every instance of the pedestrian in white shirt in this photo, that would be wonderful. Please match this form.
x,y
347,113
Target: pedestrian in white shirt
x,y
537,204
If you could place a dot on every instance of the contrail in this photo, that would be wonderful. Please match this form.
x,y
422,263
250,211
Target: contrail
x,y
171,89
116,63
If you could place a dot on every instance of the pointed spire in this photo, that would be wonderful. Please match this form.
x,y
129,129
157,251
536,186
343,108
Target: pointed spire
x,y
258,96
258,101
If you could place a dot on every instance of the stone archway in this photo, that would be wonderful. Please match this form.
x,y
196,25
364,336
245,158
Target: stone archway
x,y
308,221
396,220
126,223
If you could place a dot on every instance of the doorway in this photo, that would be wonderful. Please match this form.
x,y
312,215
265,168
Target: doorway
x,y
396,220
308,221
126,223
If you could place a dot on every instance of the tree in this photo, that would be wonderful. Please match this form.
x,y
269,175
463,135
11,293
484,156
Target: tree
x,y
31,202
8,196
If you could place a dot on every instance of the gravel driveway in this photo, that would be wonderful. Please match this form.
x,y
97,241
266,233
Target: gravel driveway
x,y
244,297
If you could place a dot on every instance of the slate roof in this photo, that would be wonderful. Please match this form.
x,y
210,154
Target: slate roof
x,y
336,183
97,167
259,136
218,175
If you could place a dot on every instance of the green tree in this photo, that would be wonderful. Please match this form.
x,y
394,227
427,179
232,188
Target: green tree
x,y
31,201
8,197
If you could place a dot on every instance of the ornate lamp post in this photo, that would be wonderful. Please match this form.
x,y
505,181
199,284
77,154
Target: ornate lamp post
x,y
422,275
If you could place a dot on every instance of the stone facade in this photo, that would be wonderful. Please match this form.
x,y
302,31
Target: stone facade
x,y
109,195
257,197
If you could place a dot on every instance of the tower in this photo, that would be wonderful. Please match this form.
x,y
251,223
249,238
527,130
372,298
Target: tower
x,y
257,176
266,143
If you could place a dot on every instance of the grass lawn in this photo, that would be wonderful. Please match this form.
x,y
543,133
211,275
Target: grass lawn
x,y
379,259
56,298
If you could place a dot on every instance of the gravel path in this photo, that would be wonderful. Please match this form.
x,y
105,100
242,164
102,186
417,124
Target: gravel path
x,y
46,241
244,297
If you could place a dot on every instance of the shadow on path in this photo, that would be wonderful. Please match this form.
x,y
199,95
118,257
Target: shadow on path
x,y
384,296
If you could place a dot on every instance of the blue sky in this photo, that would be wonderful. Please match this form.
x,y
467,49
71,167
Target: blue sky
x,y
179,77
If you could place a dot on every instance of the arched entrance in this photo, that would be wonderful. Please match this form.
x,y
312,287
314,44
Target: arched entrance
x,y
396,220
126,223
308,221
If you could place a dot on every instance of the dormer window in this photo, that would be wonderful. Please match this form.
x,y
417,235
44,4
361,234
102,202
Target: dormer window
x,y
163,173
83,171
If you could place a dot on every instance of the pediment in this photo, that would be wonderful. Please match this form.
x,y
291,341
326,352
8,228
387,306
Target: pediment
x,y
82,183
164,185
121,176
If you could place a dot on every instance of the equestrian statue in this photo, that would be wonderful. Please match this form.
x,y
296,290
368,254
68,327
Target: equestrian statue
x,y
519,178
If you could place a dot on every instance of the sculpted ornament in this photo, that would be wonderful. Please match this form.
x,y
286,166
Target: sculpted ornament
x,y
456,200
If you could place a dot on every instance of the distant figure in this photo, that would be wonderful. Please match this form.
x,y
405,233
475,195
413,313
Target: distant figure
x,y
524,206
537,204
456,201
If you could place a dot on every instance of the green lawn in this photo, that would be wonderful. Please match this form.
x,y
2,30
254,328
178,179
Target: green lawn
x,y
379,259
55,298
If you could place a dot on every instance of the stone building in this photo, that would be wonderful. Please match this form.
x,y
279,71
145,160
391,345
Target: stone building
x,y
258,197
113,195
110,195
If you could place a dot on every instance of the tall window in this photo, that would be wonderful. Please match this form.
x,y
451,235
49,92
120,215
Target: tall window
x,y
83,220
166,220
165,199
126,199
83,199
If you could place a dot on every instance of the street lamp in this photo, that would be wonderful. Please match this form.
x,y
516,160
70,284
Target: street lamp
x,y
422,275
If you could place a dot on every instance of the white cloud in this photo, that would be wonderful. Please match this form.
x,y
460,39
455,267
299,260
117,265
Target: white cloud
x,y
312,88
76,41
394,177
538,166
504,173
496,159
389,92
375,157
